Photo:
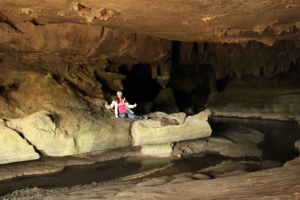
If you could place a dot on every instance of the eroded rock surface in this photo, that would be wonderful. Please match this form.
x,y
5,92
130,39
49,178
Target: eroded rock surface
x,y
239,185
14,148
40,130
162,128
232,141
217,21
276,98
60,120
56,119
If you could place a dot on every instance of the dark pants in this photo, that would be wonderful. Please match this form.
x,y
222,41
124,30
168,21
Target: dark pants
x,y
127,113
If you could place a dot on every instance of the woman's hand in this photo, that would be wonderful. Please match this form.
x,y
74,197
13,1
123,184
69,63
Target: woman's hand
x,y
106,105
134,105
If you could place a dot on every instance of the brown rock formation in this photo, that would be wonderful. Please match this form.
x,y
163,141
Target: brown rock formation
x,y
60,61
215,21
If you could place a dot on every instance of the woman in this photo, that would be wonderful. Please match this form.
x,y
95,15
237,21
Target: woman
x,y
122,107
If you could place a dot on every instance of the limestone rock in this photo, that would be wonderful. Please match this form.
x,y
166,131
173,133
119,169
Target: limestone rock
x,y
269,164
229,167
184,175
233,141
165,101
200,176
155,182
256,97
56,118
162,128
102,132
234,173
277,183
45,165
157,150
112,80
40,130
48,137
218,21
236,141
297,145
184,148
13,147
293,162
180,180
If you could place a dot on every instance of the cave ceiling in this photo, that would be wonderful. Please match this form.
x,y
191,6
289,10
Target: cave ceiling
x,y
130,32
232,21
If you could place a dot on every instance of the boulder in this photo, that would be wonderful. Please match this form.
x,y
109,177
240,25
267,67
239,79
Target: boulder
x,y
100,132
200,176
13,147
56,118
43,133
83,136
163,128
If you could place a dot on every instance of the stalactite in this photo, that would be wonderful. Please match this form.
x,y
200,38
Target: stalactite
x,y
255,58
164,67
154,68
186,50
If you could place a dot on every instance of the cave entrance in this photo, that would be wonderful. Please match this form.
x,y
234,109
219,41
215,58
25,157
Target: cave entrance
x,y
192,79
190,93
139,86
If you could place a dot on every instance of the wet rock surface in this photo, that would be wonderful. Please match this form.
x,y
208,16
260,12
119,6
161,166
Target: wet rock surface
x,y
228,140
234,186
212,167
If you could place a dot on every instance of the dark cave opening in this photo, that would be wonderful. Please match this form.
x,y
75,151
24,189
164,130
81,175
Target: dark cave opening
x,y
221,83
191,81
139,86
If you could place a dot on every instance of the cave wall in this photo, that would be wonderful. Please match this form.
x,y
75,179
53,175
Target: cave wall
x,y
89,59
59,65
251,58
274,98
253,80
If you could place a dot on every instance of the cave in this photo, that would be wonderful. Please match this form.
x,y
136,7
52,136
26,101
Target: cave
x,y
215,82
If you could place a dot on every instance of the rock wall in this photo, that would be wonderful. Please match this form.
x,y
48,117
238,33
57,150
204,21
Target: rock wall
x,y
256,97
55,79
239,59
68,39
13,147
78,50
57,119
254,80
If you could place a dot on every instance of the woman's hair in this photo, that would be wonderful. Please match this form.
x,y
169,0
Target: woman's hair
x,y
117,99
